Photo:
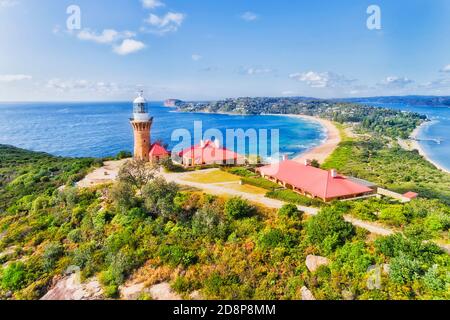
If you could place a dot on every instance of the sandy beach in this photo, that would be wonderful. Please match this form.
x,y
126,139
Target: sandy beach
x,y
322,152
416,145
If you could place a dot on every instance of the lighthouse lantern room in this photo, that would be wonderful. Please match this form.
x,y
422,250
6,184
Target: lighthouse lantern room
x,y
141,123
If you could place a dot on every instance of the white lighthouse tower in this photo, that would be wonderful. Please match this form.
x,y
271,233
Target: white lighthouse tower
x,y
142,124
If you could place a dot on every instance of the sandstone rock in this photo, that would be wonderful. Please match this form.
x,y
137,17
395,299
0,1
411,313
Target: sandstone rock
x,y
348,295
70,288
196,295
314,262
132,292
163,291
307,294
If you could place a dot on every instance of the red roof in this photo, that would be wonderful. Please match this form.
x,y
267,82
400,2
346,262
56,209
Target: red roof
x,y
158,150
207,152
411,195
317,182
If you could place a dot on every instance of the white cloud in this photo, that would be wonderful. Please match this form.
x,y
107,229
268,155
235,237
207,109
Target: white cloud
x,y
14,77
82,85
396,82
8,3
170,22
152,4
107,36
446,69
129,46
322,79
249,16
196,57
252,71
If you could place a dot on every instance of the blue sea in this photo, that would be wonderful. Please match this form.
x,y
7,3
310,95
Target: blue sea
x,y
434,137
103,129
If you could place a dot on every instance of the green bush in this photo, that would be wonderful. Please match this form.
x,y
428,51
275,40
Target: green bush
x,y
14,276
328,230
52,253
176,255
260,183
290,211
242,172
238,208
295,198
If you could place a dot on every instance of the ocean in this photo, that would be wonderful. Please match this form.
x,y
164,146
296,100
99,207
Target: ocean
x,y
434,137
103,129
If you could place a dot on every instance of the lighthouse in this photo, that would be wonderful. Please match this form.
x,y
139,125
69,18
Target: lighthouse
x,y
142,124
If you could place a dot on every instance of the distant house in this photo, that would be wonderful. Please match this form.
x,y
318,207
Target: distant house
x,y
313,182
158,153
209,153
411,195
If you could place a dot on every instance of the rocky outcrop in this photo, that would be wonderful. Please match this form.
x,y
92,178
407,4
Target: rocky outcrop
x,y
315,262
163,291
70,288
307,294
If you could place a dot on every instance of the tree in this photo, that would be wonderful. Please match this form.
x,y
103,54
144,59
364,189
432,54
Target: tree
x,y
137,173
238,208
328,230
159,196
315,163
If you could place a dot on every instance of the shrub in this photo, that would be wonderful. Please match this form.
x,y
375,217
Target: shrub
x,y
295,198
260,183
123,155
290,211
52,253
328,230
176,255
272,239
242,172
238,208
14,276
394,215
404,269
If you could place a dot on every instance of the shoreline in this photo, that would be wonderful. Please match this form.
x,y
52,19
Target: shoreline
x,y
415,144
320,152
327,147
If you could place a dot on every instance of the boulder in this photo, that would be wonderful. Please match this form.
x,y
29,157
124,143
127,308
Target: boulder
x,y
314,262
163,291
133,291
307,294
70,288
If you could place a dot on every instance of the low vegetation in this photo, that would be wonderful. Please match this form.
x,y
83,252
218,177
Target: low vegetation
x,y
225,248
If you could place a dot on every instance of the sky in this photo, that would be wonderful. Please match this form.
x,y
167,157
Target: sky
x,y
215,49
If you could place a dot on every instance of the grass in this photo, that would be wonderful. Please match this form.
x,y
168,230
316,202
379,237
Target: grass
x,y
248,189
209,177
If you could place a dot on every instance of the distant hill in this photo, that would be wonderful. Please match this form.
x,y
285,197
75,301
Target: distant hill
x,y
411,100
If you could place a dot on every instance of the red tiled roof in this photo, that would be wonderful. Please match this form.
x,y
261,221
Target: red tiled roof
x,y
158,150
208,152
411,195
314,181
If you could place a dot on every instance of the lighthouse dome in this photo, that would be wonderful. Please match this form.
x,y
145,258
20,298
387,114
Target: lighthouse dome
x,y
139,100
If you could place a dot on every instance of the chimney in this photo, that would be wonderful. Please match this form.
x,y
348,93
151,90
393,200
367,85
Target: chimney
x,y
334,173
307,162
